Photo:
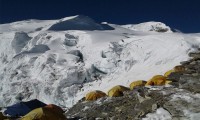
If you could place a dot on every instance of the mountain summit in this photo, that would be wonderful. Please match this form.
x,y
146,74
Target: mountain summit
x,y
79,22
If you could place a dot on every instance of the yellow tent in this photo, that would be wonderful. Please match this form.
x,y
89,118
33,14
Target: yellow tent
x,y
179,68
43,114
158,77
117,91
156,80
94,95
169,72
137,83
168,82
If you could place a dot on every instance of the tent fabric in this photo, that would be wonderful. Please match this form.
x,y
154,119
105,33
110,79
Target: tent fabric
x,y
157,80
22,108
179,68
117,91
168,82
169,72
137,83
54,108
94,95
17,110
158,77
43,114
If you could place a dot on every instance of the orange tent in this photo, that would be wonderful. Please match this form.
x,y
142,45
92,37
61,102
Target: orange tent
x,y
54,108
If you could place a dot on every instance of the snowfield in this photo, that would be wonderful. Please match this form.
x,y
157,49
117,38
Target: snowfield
x,y
59,61
149,26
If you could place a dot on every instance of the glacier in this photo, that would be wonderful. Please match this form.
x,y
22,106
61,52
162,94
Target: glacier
x,y
59,61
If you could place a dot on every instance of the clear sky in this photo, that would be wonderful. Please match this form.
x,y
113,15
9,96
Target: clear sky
x,y
180,14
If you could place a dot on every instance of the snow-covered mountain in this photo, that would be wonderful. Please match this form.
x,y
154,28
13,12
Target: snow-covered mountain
x,y
149,26
59,61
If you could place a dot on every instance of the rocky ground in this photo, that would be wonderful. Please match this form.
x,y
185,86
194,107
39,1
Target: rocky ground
x,y
181,99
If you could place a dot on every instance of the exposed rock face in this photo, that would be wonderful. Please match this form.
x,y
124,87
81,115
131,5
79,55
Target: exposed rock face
x,y
130,106
181,100
190,82
183,105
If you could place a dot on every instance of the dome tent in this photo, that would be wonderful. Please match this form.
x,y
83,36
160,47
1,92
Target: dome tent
x,y
94,95
117,91
169,72
54,108
44,113
179,68
157,80
137,83
22,108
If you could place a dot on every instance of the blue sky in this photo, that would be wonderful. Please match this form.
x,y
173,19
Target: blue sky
x,y
180,14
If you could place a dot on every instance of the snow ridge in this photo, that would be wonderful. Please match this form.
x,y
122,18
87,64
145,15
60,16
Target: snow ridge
x,y
149,26
79,22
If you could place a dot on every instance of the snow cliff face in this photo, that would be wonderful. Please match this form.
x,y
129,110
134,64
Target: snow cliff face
x,y
59,61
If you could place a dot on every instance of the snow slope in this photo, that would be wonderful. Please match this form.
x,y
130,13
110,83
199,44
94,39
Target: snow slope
x,y
60,65
79,22
149,26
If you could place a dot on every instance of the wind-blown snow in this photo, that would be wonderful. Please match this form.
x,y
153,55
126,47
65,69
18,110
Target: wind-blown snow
x,y
60,65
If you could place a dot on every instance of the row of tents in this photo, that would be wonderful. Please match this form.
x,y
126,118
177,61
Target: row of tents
x,y
37,110
117,91
33,110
